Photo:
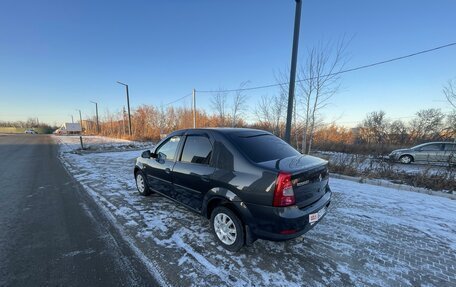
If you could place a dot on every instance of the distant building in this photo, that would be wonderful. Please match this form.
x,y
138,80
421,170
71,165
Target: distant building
x,y
69,129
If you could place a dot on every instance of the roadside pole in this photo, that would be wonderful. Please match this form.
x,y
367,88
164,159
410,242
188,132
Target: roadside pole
x,y
80,119
194,107
294,58
82,145
128,106
96,111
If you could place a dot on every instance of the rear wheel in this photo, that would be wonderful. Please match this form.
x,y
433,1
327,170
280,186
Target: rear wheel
x,y
406,159
141,184
227,228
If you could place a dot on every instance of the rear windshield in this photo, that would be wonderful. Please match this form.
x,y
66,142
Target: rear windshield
x,y
264,147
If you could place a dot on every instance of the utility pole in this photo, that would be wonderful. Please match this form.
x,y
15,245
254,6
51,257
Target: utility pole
x,y
80,119
161,120
72,120
123,120
194,107
294,59
128,105
96,110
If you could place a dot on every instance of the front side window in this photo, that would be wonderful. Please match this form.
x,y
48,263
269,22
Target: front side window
x,y
169,148
197,149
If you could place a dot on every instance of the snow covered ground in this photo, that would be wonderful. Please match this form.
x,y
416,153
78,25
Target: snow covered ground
x,y
97,143
371,235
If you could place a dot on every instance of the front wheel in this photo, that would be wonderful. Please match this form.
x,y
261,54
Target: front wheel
x,y
141,184
405,159
227,228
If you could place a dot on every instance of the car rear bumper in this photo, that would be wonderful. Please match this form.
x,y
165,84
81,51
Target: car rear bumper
x,y
283,223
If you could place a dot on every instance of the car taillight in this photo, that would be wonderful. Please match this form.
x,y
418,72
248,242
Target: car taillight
x,y
283,193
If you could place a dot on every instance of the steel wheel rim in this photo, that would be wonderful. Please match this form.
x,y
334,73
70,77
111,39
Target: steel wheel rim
x,y
140,183
225,228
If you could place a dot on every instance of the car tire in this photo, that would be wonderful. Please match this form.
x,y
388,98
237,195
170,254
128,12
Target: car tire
x,y
406,159
141,184
227,228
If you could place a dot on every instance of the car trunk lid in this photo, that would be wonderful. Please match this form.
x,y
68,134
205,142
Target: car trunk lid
x,y
309,176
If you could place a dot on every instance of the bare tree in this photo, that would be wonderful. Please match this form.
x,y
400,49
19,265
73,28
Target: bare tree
x,y
320,81
450,92
427,125
450,129
162,121
218,103
374,128
307,87
279,108
270,111
263,112
398,132
239,104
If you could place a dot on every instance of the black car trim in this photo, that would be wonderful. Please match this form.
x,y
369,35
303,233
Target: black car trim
x,y
160,179
187,188
180,202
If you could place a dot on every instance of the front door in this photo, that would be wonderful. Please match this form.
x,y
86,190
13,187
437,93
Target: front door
x,y
159,169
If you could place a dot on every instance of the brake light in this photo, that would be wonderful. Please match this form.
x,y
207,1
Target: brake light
x,y
283,193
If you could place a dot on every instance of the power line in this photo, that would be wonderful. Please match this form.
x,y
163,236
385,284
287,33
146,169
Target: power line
x,y
177,100
337,73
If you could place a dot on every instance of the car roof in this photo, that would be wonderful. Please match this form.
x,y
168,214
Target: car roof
x,y
437,143
226,131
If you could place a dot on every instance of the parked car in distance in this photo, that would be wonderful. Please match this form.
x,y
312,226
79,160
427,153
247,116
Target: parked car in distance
x,y
31,132
249,183
443,152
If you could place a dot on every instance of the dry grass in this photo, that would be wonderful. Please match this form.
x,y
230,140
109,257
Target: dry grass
x,y
441,179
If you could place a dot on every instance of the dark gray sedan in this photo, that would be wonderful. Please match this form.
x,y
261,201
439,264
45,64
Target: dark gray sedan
x,y
443,152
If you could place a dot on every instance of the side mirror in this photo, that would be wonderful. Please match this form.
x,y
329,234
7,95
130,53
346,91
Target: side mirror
x,y
146,154
161,156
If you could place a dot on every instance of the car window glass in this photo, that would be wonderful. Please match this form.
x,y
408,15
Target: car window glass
x,y
450,147
168,149
197,149
264,147
432,147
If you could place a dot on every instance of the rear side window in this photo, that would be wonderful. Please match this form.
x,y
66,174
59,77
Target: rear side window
x,y
450,147
264,147
197,149
432,147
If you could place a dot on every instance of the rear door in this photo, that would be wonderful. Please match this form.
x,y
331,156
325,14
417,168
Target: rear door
x,y
192,172
450,153
159,169
430,152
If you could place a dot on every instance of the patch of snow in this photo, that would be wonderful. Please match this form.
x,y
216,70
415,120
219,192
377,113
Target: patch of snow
x,y
365,238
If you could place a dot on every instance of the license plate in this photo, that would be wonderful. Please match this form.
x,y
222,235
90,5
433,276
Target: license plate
x,y
314,217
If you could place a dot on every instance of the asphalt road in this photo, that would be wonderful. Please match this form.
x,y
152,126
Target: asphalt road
x,y
51,233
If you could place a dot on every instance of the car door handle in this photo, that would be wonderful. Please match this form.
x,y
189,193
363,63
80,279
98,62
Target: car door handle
x,y
167,170
205,178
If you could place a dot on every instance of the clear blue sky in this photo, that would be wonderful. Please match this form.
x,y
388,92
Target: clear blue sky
x,y
56,56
